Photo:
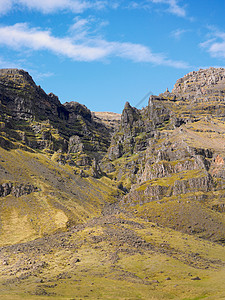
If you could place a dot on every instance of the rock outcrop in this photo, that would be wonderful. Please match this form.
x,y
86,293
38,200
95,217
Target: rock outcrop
x,y
40,121
204,85
16,189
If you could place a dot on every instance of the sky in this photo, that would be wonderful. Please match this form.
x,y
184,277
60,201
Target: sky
x,y
102,53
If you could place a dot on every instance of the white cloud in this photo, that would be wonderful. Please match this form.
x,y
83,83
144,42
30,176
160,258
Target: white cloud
x,y
80,28
134,5
40,76
20,37
5,6
86,28
49,6
207,43
174,7
79,24
218,49
216,44
177,34
79,6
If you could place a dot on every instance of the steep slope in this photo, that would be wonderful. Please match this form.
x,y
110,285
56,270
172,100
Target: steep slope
x,y
39,196
139,217
170,157
45,150
37,120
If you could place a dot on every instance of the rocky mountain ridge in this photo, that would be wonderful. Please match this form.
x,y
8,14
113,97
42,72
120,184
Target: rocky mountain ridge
x,y
147,146
204,85
47,123
107,182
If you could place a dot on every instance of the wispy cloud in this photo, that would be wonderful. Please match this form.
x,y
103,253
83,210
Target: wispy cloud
x,y
50,6
178,33
20,36
174,7
84,28
207,43
215,45
39,76
5,6
8,64
133,5
79,6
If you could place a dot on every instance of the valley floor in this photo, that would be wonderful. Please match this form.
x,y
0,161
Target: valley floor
x,y
114,256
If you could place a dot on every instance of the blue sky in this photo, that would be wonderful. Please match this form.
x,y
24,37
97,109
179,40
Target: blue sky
x,y
103,53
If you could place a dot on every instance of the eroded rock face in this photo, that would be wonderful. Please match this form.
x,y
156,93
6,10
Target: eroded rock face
x,y
175,169
175,158
75,144
96,171
158,190
16,189
129,116
205,85
135,129
158,114
76,109
23,98
40,121
175,166
115,151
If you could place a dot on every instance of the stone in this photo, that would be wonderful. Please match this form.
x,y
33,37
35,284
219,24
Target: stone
x,y
196,278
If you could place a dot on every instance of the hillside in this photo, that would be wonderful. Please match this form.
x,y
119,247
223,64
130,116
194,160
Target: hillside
x,y
103,206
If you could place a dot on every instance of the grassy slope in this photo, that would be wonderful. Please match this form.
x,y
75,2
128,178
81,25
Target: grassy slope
x,y
62,197
120,256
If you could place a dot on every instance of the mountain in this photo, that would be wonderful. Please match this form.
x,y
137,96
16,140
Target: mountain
x,y
38,137
110,206
172,152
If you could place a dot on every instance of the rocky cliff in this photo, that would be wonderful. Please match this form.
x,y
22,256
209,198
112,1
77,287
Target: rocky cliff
x,y
204,85
169,154
106,206
46,151
39,121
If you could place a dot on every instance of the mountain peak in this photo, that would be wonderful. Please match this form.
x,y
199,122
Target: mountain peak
x,y
16,77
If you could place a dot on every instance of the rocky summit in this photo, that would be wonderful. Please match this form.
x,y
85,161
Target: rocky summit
x,y
108,206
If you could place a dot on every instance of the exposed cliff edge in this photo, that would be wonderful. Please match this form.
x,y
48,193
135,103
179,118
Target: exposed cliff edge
x,y
40,121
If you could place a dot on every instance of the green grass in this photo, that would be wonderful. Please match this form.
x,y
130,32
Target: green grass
x,y
63,197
